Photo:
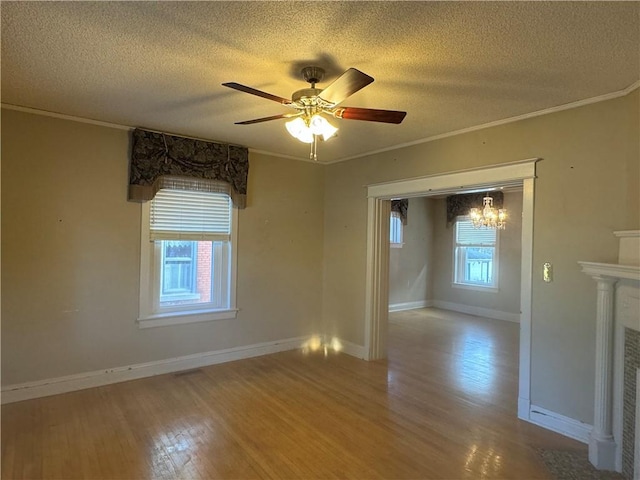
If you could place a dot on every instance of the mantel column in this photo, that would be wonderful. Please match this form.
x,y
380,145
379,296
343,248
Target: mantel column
x,y
602,446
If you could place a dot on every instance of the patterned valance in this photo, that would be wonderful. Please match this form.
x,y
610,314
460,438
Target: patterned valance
x,y
159,160
401,207
458,205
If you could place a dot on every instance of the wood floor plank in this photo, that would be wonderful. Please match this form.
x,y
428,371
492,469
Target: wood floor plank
x,y
443,406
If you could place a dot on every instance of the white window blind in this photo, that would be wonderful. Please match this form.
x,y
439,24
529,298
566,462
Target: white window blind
x,y
190,215
467,234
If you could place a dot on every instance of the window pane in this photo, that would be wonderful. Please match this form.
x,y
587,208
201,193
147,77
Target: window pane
x,y
478,265
178,267
186,269
395,224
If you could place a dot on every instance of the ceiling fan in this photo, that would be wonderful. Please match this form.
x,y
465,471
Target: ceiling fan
x,y
310,103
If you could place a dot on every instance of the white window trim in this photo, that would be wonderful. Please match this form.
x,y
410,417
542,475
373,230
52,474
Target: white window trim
x,y
474,286
146,317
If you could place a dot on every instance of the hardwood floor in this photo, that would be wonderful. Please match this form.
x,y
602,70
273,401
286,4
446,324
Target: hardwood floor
x,y
442,407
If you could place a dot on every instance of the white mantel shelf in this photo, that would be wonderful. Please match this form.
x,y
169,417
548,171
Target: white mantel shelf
x,y
613,270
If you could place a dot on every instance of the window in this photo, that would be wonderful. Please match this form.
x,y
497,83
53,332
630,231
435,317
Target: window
x,y
475,255
188,258
395,234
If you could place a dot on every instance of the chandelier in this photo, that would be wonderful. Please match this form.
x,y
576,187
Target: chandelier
x,y
308,128
488,216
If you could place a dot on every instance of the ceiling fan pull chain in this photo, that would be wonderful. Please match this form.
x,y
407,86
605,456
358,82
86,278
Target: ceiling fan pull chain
x,y
314,149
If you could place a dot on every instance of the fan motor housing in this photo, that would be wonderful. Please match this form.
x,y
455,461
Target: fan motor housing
x,y
306,96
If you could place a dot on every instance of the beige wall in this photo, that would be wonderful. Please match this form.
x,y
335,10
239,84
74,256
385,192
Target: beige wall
x,y
507,297
410,267
70,251
587,187
70,243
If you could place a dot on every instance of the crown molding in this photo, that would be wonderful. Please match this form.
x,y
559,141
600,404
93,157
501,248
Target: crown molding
x,y
46,113
281,155
539,113
117,126
559,108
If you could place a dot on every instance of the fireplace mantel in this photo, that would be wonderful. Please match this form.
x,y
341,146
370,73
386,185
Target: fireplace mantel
x,y
611,270
618,305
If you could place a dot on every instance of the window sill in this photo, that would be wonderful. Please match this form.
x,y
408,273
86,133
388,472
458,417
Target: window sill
x,y
477,288
180,318
396,245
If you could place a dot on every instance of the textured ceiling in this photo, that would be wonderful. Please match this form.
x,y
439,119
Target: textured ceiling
x,y
449,65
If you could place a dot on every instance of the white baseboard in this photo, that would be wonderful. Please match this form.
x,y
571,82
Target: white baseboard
x,y
70,383
352,349
398,307
555,422
478,311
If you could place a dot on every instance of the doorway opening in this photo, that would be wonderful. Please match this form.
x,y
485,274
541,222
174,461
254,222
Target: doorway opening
x,y
522,174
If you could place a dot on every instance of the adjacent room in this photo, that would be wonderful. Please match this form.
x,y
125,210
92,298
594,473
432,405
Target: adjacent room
x,y
455,286
320,240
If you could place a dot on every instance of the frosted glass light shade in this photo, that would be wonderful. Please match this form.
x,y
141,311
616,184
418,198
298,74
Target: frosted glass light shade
x,y
298,129
320,126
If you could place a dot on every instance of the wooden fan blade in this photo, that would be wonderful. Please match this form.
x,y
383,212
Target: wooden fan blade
x,y
266,119
259,93
370,114
345,85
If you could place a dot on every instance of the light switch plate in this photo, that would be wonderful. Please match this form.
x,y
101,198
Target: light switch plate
x,y
547,272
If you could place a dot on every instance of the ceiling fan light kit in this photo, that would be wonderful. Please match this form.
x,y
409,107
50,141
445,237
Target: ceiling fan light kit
x,y
308,122
306,129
